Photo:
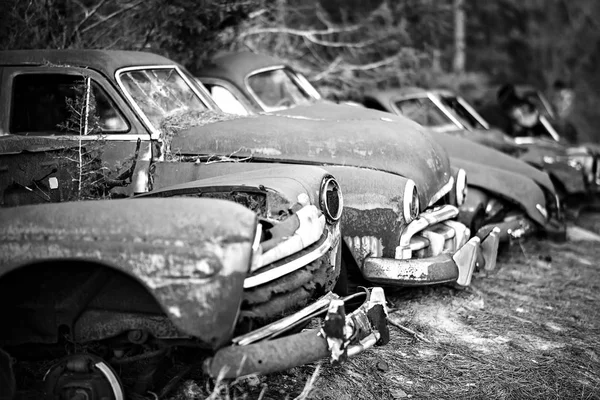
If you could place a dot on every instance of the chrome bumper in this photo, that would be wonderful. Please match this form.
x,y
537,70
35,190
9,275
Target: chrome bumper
x,y
341,336
434,250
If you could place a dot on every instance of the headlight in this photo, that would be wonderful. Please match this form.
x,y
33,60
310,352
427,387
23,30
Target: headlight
x,y
461,187
332,202
410,201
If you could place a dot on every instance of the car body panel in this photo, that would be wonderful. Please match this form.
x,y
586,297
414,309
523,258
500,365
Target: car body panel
x,y
365,144
192,255
518,188
372,222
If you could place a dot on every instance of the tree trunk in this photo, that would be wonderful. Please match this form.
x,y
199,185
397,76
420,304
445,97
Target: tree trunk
x,y
459,36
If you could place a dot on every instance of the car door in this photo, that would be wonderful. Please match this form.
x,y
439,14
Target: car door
x,y
66,133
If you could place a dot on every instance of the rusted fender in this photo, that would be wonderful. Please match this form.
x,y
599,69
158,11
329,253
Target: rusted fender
x,y
386,143
476,154
192,255
520,189
288,180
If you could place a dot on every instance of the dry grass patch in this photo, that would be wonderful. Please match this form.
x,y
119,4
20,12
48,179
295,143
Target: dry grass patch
x,y
530,330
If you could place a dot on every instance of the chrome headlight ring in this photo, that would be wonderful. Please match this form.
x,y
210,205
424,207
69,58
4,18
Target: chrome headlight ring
x,y
410,202
461,187
331,199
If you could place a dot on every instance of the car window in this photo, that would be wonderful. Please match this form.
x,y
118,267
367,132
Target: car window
x,y
423,111
44,103
277,90
460,112
226,100
160,92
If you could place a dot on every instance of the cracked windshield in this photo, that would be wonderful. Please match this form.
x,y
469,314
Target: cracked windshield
x,y
160,93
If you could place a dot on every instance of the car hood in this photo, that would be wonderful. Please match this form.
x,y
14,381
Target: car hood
x,y
459,148
372,143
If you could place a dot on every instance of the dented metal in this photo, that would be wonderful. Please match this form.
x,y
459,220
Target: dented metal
x,y
193,261
342,335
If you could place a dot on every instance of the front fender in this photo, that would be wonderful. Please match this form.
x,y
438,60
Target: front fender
x,y
192,255
518,189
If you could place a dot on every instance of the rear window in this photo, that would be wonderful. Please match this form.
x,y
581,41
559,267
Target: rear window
x,y
45,103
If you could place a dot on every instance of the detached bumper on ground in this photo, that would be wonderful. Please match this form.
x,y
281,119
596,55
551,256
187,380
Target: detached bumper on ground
x,y
341,335
435,249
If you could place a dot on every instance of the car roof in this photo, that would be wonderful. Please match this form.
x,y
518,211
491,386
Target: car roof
x,y
104,61
234,67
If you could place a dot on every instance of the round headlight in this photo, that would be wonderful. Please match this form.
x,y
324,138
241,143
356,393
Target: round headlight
x,y
461,187
332,202
410,201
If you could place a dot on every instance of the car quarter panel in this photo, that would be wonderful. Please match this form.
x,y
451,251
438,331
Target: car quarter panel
x,y
192,255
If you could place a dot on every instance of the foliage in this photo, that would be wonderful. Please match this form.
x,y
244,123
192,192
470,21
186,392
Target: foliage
x,y
87,172
343,46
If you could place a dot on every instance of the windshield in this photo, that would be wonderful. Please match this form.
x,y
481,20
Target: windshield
x,y
424,111
160,92
460,112
278,90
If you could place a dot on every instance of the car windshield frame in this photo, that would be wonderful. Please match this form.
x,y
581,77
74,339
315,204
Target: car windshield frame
x,y
155,130
300,82
451,125
472,121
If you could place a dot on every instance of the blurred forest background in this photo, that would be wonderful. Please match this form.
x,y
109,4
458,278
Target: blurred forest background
x,y
346,46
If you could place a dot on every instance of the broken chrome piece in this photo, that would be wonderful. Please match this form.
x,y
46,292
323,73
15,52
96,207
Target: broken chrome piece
x,y
425,219
466,259
489,248
442,262
311,226
334,330
284,324
357,331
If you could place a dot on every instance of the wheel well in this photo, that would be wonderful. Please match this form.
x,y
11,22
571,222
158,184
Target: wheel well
x,y
44,300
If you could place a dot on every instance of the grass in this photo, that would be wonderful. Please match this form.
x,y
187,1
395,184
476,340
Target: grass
x,y
529,330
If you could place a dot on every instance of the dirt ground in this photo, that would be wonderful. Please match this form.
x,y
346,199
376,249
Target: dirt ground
x,y
530,329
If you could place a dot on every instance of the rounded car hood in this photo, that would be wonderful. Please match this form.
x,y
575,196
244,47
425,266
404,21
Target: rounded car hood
x,y
475,153
376,141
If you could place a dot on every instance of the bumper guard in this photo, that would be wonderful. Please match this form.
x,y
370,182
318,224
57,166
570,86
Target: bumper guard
x,y
341,336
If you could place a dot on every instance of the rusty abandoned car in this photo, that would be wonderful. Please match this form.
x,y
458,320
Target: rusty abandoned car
x,y
84,279
573,169
491,171
434,246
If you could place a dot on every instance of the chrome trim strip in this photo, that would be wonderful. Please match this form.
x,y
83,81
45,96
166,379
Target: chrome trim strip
x,y
146,121
418,243
262,105
442,192
282,324
549,128
296,264
436,101
426,219
473,112
310,91
409,188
